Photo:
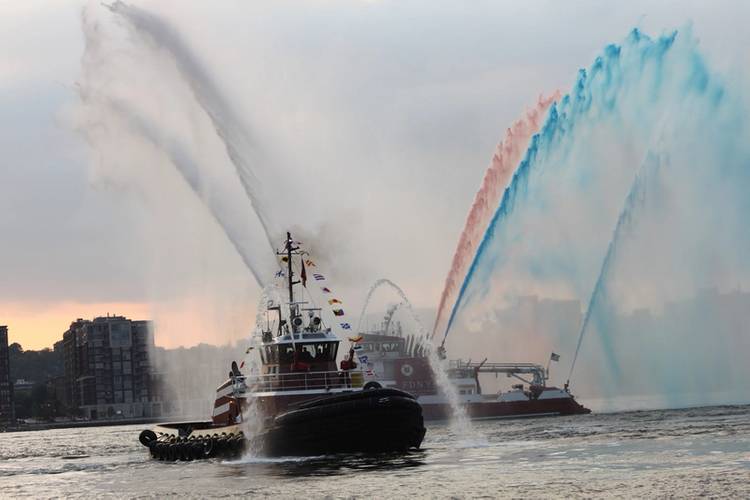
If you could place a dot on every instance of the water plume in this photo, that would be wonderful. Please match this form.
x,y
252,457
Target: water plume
x,y
377,285
241,149
635,197
110,116
154,133
656,278
220,208
504,162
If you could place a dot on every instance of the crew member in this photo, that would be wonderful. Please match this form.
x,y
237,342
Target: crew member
x,y
348,362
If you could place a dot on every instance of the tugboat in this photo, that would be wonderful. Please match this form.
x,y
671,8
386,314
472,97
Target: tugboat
x,y
298,403
401,361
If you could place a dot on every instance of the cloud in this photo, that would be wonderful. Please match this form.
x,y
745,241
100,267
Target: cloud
x,y
383,117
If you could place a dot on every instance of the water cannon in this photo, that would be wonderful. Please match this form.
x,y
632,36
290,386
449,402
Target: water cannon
x,y
315,324
441,352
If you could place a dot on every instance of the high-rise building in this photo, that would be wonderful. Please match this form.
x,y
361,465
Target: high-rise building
x,y
7,412
107,367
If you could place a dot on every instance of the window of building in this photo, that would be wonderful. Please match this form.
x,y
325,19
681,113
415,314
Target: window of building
x,y
119,335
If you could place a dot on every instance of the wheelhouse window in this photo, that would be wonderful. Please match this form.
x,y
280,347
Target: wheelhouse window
x,y
317,352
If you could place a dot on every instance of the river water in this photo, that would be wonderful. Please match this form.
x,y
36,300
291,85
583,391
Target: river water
x,y
683,453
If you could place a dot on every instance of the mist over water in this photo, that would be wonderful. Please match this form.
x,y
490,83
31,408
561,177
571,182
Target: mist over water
x,y
649,267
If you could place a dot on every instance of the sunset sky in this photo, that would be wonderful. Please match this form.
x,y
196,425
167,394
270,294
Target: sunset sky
x,y
383,113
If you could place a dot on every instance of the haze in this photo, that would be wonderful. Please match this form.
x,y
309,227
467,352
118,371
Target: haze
x,y
384,114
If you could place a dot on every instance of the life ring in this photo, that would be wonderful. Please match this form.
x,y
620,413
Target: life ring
x,y
146,437
407,370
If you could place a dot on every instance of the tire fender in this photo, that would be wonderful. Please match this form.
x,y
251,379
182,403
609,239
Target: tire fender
x,y
146,437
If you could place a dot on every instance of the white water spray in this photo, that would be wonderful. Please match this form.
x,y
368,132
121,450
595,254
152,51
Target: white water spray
x,y
375,286
129,126
241,149
460,424
252,419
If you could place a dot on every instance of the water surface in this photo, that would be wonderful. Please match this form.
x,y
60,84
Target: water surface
x,y
684,453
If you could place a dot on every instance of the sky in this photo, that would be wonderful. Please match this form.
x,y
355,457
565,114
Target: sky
x,y
381,117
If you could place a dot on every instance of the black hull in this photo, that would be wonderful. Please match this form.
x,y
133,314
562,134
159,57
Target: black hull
x,y
374,421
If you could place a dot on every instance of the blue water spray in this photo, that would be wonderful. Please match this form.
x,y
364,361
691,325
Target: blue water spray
x,y
635,197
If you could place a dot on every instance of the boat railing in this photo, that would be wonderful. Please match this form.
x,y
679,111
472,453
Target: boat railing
x,y
300,381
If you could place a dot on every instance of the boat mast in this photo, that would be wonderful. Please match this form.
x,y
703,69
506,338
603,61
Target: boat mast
x,y
289,266
289,250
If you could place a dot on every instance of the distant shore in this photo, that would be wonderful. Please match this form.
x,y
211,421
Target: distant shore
x,y
72,424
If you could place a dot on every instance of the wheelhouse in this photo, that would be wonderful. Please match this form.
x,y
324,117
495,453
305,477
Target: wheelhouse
x,y
301,355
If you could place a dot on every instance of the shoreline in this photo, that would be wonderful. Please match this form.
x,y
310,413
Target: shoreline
x,y
44,426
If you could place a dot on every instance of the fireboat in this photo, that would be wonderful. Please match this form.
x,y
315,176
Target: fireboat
x,y
401,360
296,401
